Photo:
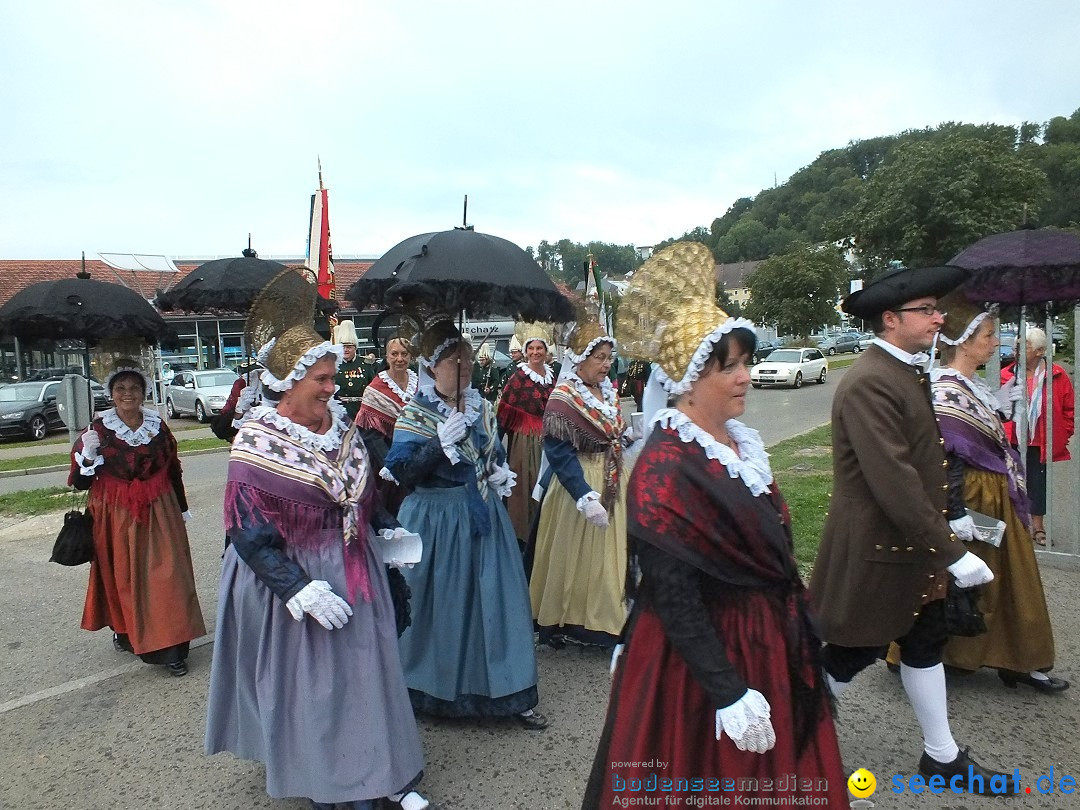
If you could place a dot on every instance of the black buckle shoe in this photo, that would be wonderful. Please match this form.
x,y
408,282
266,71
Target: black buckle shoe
x,y
177,669
1051,684
533,722
969,770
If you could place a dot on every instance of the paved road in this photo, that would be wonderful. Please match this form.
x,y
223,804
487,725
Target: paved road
x,y
87,728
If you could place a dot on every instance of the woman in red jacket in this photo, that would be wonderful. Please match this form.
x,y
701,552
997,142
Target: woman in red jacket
x,y
1063,423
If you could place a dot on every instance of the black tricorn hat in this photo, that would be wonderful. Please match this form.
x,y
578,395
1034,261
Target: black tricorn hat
x,y
901,285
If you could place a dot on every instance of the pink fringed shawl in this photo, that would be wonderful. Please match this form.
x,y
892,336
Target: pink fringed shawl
x,y
301,490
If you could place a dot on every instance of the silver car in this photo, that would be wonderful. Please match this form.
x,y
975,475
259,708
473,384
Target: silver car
x,y
201,393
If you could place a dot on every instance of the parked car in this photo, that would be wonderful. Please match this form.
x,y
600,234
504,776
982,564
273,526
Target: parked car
x,y
764,348
841,343
790,367
28,409
201,393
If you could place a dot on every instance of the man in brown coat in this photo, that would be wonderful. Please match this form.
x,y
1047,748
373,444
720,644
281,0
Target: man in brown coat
x,y
887,550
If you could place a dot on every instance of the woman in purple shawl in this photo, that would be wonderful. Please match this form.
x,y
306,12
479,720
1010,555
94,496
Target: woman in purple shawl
x,y
306,675
985,476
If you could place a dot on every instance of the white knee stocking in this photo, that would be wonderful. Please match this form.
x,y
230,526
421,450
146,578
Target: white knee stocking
x,y
926,690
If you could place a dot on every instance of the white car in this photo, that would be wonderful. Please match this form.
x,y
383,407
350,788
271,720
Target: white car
x,y
202,393
790,367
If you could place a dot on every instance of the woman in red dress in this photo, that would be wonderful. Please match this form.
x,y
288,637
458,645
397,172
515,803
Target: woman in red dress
x,y
719,692
521,418
141,580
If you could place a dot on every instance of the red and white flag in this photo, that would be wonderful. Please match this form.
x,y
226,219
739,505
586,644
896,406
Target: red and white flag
x,y
320,258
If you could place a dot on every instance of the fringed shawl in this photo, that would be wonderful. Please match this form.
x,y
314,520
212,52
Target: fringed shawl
x,y
568,417
521,407
382,404
301,490
972,430
479,450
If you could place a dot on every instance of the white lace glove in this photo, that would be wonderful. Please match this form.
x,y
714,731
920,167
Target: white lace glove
x,y
451,432
964,528
596,514
502,479
747,722
970,571
1006,396
320,602
246,399
90,444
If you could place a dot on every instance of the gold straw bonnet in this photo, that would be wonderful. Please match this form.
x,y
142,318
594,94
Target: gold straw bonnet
x,y
586,333
281,322
528,331
669,314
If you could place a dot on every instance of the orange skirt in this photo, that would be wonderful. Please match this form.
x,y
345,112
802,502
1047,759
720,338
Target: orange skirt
x,y
141,579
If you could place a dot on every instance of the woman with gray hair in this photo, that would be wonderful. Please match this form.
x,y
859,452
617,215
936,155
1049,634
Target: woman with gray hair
x,y
1062,412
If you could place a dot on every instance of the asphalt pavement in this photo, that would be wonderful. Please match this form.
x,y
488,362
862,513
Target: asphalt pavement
x,y
88,727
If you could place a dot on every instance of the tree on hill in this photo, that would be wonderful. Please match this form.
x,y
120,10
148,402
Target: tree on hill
x,y
797,290
932,198
565,260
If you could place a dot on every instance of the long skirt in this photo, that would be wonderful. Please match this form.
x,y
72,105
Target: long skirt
x,y
1018,634
523,457
578,583
661,724
142,584
325,710
469,651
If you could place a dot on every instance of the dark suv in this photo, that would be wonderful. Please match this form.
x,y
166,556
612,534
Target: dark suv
x,y
764,348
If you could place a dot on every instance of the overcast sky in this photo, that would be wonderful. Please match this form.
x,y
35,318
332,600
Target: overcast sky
x,y
178,127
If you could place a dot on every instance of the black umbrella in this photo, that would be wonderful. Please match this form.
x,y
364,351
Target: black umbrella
x,y
462,270
82,308
226,286
1024,268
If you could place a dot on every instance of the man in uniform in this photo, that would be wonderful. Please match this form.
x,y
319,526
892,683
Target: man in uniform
x,y
515,354
888,551
353,374
486,376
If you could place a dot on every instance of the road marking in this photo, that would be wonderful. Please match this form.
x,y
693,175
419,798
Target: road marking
x,y
89,680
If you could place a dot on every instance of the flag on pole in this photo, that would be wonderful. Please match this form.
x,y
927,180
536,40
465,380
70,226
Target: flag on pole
x,y
601,299
320,257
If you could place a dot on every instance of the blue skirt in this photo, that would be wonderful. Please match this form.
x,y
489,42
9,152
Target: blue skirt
x,y
469,651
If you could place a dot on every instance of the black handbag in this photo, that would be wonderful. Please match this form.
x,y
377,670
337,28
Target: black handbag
x,y
962,614
75,543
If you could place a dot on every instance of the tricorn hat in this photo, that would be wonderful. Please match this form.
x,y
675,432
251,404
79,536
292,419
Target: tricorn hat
x,y
901,285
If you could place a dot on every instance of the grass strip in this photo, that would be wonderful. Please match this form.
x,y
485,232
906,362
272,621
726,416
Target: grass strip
x,y
35,501
53,459
802,466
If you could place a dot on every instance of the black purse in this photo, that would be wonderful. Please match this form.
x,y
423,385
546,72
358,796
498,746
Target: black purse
x,y
75,543
962,614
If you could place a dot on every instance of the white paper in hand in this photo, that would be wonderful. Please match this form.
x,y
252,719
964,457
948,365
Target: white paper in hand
x,y
407,550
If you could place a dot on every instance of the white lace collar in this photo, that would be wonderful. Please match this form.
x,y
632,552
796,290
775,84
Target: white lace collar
x,y
331,440
472,397
608,407
547,379
410,387
150,427
752,462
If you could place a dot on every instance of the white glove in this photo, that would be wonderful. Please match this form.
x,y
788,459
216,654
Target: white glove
x,y
596,514
964,528
186,515
453,430
320,602
615,657
246,399
970,571
90,444
1007,395
747,722
502,479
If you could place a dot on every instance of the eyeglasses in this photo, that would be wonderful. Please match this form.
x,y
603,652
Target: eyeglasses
x,y
925,309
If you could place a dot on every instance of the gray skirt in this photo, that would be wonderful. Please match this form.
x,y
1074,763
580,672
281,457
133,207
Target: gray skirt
x,y
327,711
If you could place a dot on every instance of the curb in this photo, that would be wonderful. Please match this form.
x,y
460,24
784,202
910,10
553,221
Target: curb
x,y
35,526
65,467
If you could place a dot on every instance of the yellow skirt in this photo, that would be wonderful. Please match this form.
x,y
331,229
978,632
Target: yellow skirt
x,y
1018,633
579,570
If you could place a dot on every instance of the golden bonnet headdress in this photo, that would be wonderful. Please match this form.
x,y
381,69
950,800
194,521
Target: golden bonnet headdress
x,y
669,314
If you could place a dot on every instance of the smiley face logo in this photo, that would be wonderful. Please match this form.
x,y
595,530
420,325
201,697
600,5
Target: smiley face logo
x,y
862,783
